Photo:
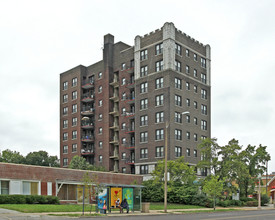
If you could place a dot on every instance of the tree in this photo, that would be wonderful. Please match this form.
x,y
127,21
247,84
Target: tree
x,y
41,158
9,156
213,187
80,163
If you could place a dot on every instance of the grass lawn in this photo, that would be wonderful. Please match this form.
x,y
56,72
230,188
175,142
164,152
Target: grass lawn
x,y
46,208
210,210
160,206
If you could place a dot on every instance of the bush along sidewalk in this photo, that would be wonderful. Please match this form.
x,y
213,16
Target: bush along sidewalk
x,y
28,199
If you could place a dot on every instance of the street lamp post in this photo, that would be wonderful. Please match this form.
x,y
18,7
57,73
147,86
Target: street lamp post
x,y
165,162
259,192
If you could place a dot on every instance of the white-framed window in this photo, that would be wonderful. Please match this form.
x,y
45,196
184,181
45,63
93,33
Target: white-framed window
x,y
177,66
159,134
195,153
159,48
65,98
123,126
195,89
160,151
65,149
123,156
177,83
178,134
159,65
188,102
123,140
159,83
100,130
187,52
100,158
65,110
187,69
143,120
178,100
203,94
178,49
74,82
188,152
74,148
195,137
188,118
203,125
187,85
144,87
143,104
159,117
123,66
100,102
74,95
123,81
100,89
195,121
203,62
143,54
100,144
144,169
74,134
99,75
74,122
203,78
195,72
204,109
143,71
74,109
123,110
65,162
188,135
195,105
159,100
178,151
65,123
178,117
65,136
144,136
65,85
143,153
100,117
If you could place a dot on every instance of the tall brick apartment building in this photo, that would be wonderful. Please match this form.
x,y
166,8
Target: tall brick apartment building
x,y
114,112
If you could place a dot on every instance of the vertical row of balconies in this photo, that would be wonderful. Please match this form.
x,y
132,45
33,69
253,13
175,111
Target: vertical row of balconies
x,y
87,120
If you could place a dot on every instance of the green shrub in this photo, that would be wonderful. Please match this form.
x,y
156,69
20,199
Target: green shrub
x,y
264,199
252,203
28,199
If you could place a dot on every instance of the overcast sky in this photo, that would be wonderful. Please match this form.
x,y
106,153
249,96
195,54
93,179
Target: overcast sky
x,y
41,39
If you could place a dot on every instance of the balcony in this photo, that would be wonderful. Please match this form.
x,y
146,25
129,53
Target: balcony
x,y
115,127
129,114
130,161
114,141
87,111
87,84
87,138
87,124
115,83
131,84
115,155
131,100
129,145
115,97
130,129
87,98
87,152
114,112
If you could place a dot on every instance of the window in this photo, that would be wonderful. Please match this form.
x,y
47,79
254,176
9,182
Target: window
x,y
65,162
144,169
123,126
195,57
159,48
74,82
65,110
203,94
187,52
100,158
100,102
188,152
144,136
159,66
188,102
203,137
74,108
177,66
65,149
177,83
195,73
178,151
123,140
195,153
100,130
159,134
177,100
143,104
100,144
187,86
123,170
159,151
132,63
178,49
187,118
65,85
65,98
204,109
143,153
65,136
124,96
123,110
123,81
195,121
143,54
143,71
143,120
74,122
99,75
195,105
99,89
143,87
203,62
74,136
74,147
178,117
159,83
195,137
195,89
187,69
159,100
123,66
203,78
100,116
178,134
65,123
74,95
203,125
159,117
123,156
188,135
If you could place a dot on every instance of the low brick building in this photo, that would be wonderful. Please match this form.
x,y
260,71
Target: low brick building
x,y
66,183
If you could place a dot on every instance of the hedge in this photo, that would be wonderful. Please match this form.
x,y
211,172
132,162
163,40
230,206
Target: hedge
x,y
28,199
